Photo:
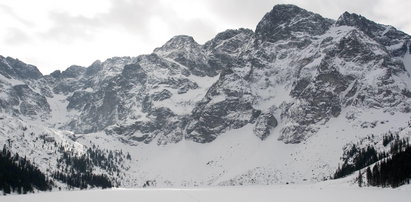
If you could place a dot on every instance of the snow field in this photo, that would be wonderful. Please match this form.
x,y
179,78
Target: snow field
x,y
336,191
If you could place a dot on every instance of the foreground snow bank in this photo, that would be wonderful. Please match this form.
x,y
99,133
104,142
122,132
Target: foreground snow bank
x,y
313,192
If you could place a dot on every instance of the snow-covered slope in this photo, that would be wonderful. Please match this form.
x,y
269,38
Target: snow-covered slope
x,y
275,105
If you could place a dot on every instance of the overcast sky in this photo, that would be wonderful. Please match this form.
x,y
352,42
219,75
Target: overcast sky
x,y
55,34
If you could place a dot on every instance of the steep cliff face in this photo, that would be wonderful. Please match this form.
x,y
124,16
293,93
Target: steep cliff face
x,y
297,67
292,78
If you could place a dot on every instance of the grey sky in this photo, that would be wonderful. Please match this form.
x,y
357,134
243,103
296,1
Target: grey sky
x,y
56,34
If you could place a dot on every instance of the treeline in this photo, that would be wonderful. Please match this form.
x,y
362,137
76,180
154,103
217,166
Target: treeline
x,y
361,158
83,180
76,170
393,171
393,168
18,175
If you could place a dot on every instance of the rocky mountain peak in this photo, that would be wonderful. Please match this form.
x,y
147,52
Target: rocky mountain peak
x,y
14,68
73,71
94,68
384,34
288,10
358,21
179,42
284,20
187,52
355,20
228,35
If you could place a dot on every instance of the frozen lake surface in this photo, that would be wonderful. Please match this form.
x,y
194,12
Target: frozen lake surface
x,y
310,192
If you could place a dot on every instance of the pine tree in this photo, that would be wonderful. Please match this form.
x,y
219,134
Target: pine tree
x,y
360,178
19,175
369,176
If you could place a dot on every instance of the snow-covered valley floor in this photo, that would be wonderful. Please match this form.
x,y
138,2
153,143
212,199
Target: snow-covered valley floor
x,y
325,191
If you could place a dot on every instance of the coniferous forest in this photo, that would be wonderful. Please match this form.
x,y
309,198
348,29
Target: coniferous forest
x,y
364,157
18,175
392,169
76,170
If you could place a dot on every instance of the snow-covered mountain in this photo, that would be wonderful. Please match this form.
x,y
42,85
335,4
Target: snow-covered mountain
x,y
275,105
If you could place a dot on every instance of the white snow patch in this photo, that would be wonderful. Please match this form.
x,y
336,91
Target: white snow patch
x,y
59,113
395,46
407,60
12,82
182,104
272,96
90,90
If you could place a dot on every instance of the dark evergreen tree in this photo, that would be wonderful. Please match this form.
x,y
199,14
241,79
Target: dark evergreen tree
x,y
362,158
368,175
77,169
19,175
394,171
360,181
